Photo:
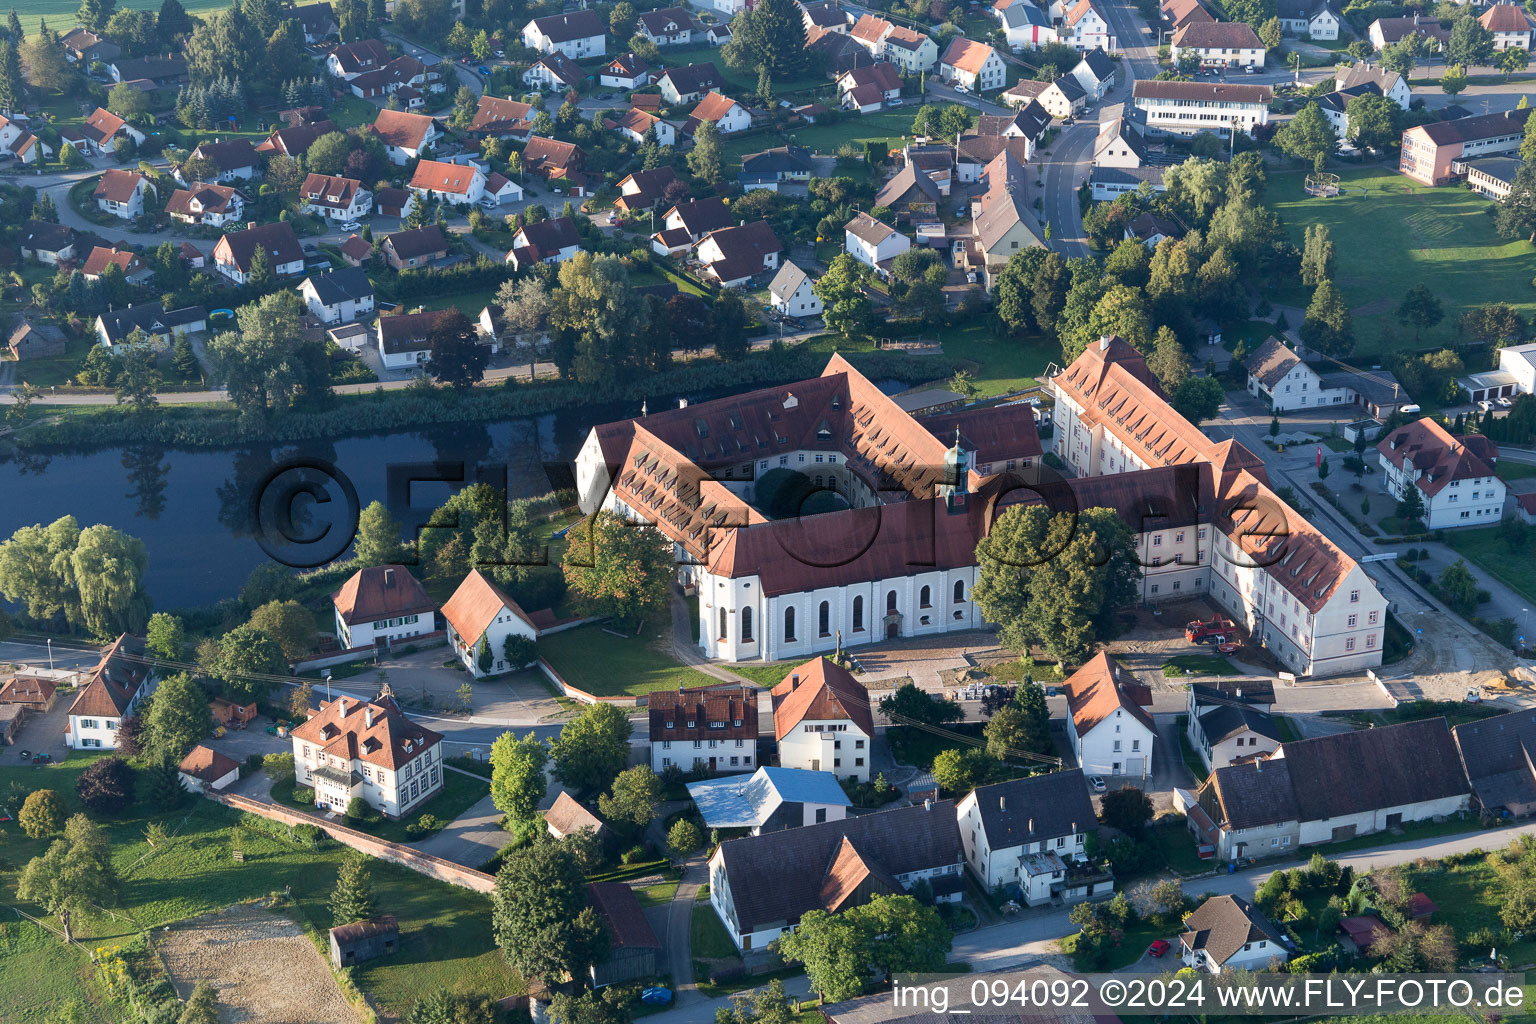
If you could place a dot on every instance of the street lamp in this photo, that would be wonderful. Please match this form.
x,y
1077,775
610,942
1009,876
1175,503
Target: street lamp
x,y
50,653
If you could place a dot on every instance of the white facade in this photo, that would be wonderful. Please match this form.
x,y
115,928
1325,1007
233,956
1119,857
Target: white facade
x,y
393,793
358,208
1255,956
725,755
1474,501
364,634
1008,865
348,310
991,75
583,46
470,192
506,623
1227,56
871,254
841,748
1190,117
803,301
1090,32
1119,745
129,208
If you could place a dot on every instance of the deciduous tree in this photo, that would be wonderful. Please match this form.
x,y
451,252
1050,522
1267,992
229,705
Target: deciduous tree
x,y
178,717
289,623
517,775
106,786
457,358
619,569
591,750
75,872
242,660
539,895
41,814
634,798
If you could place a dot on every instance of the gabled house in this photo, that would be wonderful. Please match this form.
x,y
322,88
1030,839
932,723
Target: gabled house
x,y
554,72
635,124
133,269
318,21
1061,99
500,189
47,243
1227,933
405,339
502,119
554,160
553,240
1227,730
761,885
121,193
1119,144
101,128
697,218
119,683
158,326
236,159
204,769
21,144
911,51
670,26
1454,474
575,34
459,184
822,720
338,297
1085,28
732,256
28,340
1277,373
1509,25
688,84
626,71
349,60
839,52
781,165
869,89
82,46
793,293
703,729
236,251
481,617
566,817
825,16
1225,44
164,72
1309,19
352,748
974,65
772,799
911,195
206,204
1002,221
405,135
416,247
634,951
379,605
1025,26
644,189
873,243
334,198
727,115
1108,725
356,250
1095,73
1497,756
1031,833
295,141
1391,84
1383,32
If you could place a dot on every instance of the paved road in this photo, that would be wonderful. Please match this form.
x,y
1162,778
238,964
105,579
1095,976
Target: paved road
x,y
473,838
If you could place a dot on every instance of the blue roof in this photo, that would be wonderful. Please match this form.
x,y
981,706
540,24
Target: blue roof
x,y
737,802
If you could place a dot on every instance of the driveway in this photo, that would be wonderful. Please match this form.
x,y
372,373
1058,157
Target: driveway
x,y
473,838
42,733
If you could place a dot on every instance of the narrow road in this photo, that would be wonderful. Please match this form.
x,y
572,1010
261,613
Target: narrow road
x,y
680,931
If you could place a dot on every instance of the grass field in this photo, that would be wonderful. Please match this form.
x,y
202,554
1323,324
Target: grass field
x,y
61,13
1515,470
446,931
1391,234
1484,549
710,941
1468,897
460,792
39,973
1198,665
998,363
608,666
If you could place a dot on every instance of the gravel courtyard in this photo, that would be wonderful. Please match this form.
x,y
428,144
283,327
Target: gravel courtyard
x,y
266,970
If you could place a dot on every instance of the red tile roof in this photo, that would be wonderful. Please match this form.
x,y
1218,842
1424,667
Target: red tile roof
x,y
1099,689
208,765
820,691
475,605
703,713
402,129
100,259
118,186
1437,455
381,592
375,732
967,54
437,176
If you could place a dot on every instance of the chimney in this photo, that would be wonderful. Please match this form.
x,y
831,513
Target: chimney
x,y
1002,803
928,805
682,403
368,716
249,225
794,682
1258,764
1031,826
1239,692
389,577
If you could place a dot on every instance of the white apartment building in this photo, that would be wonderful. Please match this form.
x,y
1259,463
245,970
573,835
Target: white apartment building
x,y
369,749
1188,108
1454,474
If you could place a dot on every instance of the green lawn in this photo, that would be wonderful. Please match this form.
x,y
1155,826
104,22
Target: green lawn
x,y
1133,943
605,665
998,363
58,369
1515,470
765,675
1467,897
459,793
61,13
1515,568
710,940
39,973
1188,752
658,894
918,747
1391,234
1198,665
446,931
1176,848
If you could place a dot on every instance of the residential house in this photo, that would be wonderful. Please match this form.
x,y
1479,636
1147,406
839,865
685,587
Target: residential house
x,y
718,35
1389,83
1309,19
379,605
1223,44
235,159
203,769
1022,93
1226,730
459,184
356,251
502,119
670,26
635,124
47,243
339,297
644,189
733,256
913,52
235,253
405,339
1095,73
417,247
395,202
1454,474
870,88
334,198
822,718
405,135
873,243
33,694
761,885
1227,933
793,293
482,618
133,269
1383,32
318,22
554,72
698,218
352,748
575,34
1188,108
295,140
727,115
1030,834
1516,375
159,326
772,799
870,32
634,951
773,168
566,817
1119,144
704,729
1002,219
825,16
911,194
688,84
1335,106
121,193
553,240
1108,724
1085,28
1496,754
1432,152
626,71
206,204
1061,99
1510,26
1265,806
556,161
101,129
164,72
838,51
1025,26
20,144
1277,373
28,340
113,690
974,65
349,60
82,46
500,190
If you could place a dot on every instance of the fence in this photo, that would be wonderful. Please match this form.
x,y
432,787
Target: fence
x,y
582,695
395,853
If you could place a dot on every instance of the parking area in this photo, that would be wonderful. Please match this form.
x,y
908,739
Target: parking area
x,y
42,733
431,679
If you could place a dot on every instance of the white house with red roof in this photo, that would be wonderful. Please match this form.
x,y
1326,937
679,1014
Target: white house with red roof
x,y
405,135
114,690
823,721
355,748
381,604
1108,724
974,65
20,143
1085,28
1509,24
1454,474
448,183
480,614
121,193
728,115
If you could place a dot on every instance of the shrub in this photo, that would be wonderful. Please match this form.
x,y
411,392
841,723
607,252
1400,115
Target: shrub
x,y
424,826
303,795
42,814
106,787
635,855
359,810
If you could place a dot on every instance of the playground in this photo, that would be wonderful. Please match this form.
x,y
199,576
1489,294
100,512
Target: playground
x,y
1389,234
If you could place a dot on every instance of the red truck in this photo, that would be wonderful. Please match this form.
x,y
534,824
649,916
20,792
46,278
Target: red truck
x,y
1198,632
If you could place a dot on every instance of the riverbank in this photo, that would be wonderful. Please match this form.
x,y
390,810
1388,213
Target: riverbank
x,y
354,415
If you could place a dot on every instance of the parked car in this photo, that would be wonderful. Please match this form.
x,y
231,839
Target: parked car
x,y
962,87
1485,405
1251,69
1227,648
351,225
483,69
1097,783
1052,691
1473,697
1503,403
1158,947
898,101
